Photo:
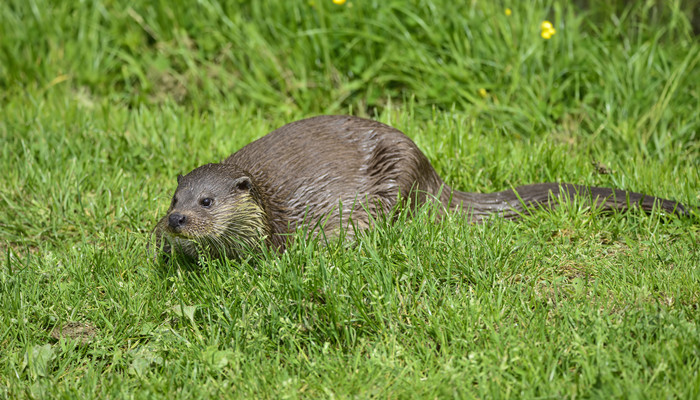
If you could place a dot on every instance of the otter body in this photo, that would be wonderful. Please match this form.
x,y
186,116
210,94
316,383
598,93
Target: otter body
x,y
330,172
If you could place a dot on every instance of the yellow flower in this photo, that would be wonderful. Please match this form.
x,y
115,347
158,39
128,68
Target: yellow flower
x,y
548,34
339,2
483,92
547,29
509,11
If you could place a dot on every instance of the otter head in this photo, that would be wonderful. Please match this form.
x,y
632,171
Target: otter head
x,y
217,209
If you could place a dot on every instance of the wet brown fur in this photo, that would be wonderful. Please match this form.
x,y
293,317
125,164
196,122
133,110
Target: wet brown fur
x,y
323,172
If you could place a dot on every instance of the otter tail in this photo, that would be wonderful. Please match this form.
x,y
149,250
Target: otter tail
x,y
512,204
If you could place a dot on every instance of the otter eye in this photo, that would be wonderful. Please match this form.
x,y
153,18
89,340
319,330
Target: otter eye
x,y
173,202
206,202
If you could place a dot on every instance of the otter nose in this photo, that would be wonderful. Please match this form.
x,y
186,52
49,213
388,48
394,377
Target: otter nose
x,y
176,220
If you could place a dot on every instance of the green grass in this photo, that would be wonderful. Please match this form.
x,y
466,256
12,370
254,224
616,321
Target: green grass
x,y
103,103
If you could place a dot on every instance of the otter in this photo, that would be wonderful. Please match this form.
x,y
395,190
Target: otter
x,y
333,172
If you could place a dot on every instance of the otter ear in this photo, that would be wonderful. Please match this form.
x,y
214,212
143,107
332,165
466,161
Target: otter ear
x,y
242,184
179,178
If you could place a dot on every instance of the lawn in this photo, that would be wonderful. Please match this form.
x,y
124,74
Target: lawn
x,y
104,102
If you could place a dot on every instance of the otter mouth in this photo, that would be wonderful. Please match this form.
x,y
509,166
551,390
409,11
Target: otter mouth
x,y
178,233
181,233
